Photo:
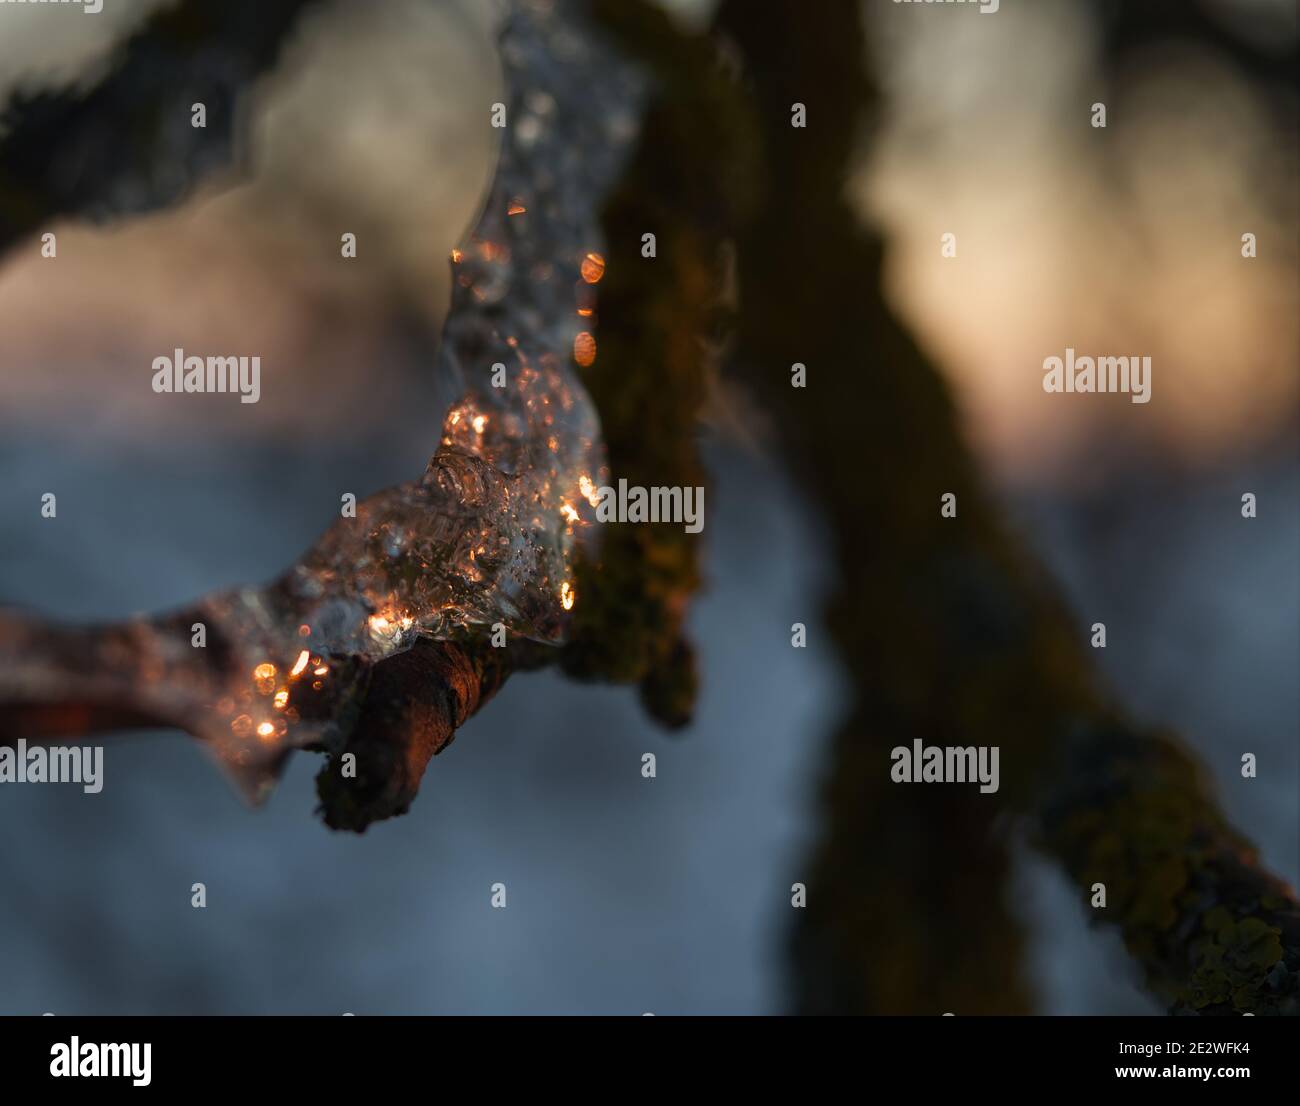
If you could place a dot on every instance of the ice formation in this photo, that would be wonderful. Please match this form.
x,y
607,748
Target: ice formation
x,y
489,533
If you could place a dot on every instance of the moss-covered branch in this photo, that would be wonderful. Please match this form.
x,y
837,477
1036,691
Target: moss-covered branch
x,y
951,633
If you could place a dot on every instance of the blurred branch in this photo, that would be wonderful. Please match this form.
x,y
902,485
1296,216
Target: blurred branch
x,y
953,636
126,145
1129,29
661,322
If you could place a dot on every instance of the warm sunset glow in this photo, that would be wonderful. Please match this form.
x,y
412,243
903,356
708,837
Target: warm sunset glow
x,y
568,512
593,268
584,349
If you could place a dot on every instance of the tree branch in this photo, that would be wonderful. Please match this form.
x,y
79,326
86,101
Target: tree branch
x,y
126,145
471,546
953,635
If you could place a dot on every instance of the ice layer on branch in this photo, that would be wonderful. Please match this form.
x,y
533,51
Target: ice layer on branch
x,y
488,535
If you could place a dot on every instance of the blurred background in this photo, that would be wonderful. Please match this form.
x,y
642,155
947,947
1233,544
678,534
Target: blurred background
x,y
628,895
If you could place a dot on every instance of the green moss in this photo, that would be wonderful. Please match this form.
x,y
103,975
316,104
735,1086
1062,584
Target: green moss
x,y
649,379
